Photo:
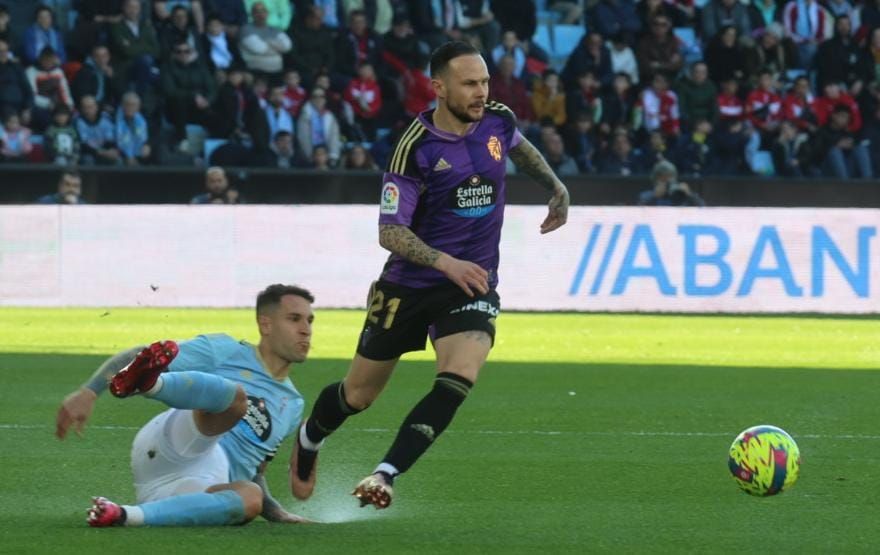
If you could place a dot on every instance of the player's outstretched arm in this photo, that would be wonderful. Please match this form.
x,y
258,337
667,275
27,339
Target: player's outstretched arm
x,y
272,509
531,162
400,240
77,407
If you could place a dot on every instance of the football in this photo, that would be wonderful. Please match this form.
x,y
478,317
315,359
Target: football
x,y
764,460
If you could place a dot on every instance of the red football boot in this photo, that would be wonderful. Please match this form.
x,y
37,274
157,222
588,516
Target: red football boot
x,y
141,374
105,513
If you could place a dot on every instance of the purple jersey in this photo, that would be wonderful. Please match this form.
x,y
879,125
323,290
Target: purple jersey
x,y
449,190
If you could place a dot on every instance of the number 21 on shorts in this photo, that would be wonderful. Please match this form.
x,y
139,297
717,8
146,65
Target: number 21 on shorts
x,y
377,303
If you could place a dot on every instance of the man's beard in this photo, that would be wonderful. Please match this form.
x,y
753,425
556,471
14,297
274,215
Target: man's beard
x,y
462,115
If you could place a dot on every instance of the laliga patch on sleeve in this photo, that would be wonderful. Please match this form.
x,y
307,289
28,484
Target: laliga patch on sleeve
x,y
390,199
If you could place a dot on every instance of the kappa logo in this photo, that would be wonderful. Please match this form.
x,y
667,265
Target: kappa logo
x,y
494,146
442,165
390,199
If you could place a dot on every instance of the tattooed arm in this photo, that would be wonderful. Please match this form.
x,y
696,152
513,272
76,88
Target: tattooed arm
x,y
401,241
530,161
272,509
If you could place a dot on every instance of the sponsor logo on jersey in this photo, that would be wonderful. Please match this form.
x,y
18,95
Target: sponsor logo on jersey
x,y
479,306
258,418
442,165
475,197
390,199
494,146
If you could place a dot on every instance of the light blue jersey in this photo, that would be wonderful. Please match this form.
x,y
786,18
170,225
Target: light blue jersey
x,y
275,407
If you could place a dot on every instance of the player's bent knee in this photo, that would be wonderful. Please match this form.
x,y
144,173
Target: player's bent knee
x,y
252,497
360,398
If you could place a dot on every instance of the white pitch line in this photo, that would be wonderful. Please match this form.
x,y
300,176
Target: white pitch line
x,y
642,433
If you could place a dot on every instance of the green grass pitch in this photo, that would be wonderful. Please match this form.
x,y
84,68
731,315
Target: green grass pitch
x,y
585,433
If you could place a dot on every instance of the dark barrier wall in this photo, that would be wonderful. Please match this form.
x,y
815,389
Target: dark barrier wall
x,y
23,184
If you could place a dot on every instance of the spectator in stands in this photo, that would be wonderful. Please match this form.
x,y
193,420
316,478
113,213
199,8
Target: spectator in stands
x,y
418,93
871,133
365,98
511,91
281,153
357,45
318,126
510,46
836,150
694,153
725,56
16,92
231,12
132,133
240,116
178,29
294,94
188,89
548,100
623,59
586,97
69,190
277,117
61,142
320,158
613,18
656,149
315,51
592,55
788,150
434,21
719,14
554,152
263,45
659,110
569,12
403,43
359,158
870,69
833,97
773,52
163,13
648,9
95,130
15,139
135,47
762,14
840,60
764,108
93,21
617,106
729,140
697,96
42,34
620,159
667,190
798,106
658,51
521,17
49,86
476,20
808,25
217,189
278,12
96,78
730,105
219,49
581,141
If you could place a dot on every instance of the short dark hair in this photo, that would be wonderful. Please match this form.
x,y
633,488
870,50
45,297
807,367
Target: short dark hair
x,y
69,172
271,296
447,52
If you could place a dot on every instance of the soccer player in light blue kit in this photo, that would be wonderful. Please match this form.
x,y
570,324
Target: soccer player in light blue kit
x,y
202,461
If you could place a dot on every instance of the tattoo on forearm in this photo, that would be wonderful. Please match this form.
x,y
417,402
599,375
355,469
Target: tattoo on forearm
x,y
400,240
532,163
99,380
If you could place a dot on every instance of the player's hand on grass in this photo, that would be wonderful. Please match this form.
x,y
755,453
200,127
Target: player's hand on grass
x,y
558,210
280,515
467,275
75,411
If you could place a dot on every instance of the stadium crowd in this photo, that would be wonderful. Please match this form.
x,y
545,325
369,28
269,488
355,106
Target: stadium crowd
x,y
609,87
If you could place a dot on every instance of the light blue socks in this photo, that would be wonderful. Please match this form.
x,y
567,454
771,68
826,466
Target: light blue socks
x,y
193,509
193,391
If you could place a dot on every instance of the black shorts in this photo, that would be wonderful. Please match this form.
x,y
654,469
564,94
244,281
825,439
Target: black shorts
x,y
399,319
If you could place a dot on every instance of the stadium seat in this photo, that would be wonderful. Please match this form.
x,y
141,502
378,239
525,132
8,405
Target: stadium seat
x,y
543,38
566,38
210,146
691,50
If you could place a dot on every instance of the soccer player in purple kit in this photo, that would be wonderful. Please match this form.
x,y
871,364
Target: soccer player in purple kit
x,y
441,212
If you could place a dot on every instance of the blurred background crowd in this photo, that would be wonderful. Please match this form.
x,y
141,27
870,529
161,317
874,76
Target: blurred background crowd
x,y
609,87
